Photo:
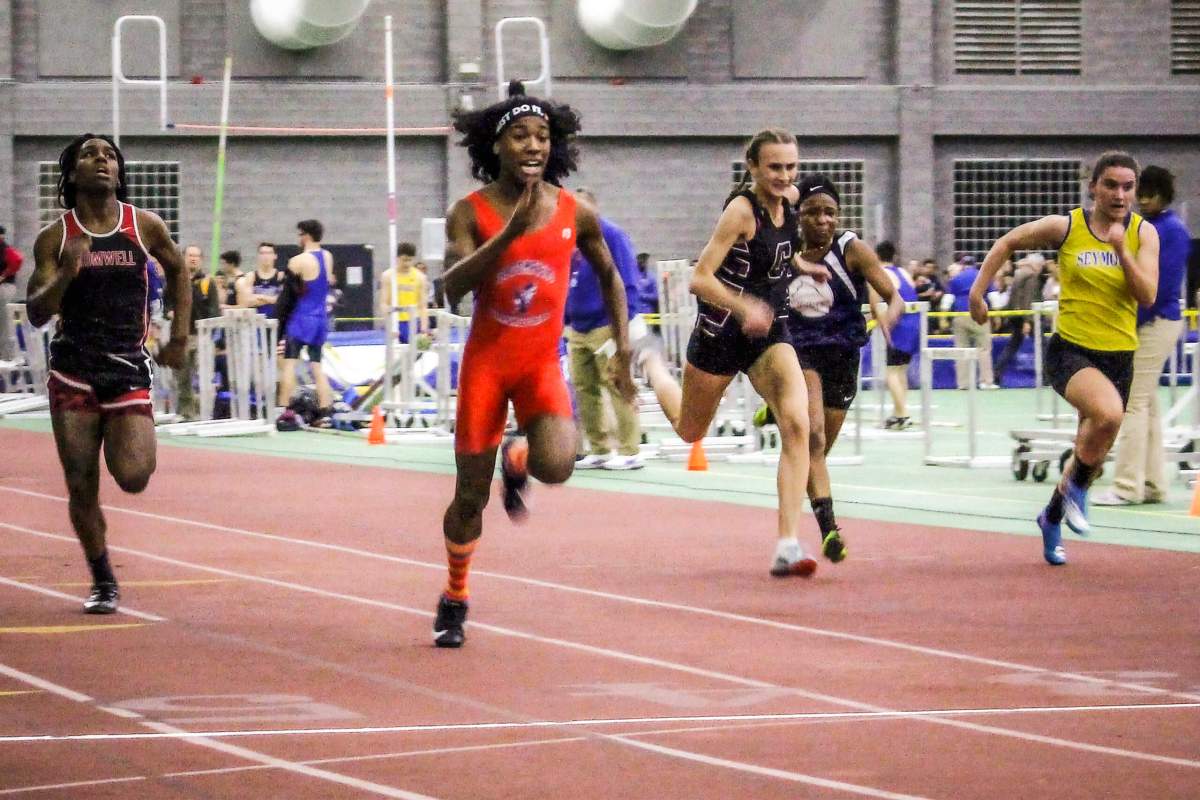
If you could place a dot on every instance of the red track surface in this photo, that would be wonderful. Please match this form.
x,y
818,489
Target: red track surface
x,y
327,626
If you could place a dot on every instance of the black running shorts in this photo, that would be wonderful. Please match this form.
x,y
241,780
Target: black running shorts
x,y
1064,359
728,351
838,368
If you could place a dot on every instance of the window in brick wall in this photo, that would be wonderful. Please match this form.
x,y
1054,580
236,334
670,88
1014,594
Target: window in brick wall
x,y
1185,37
846,175
153,185
1017,37
992,196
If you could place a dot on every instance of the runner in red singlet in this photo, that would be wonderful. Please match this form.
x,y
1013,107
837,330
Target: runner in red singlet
x,y
511,243
92,272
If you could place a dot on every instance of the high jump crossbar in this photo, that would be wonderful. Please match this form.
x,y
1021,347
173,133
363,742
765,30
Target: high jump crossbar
x,y
118,75
543,78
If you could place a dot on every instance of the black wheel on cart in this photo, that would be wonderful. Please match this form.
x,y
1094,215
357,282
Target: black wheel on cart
x,y
1020,465
1188,463
1063,459
1040,470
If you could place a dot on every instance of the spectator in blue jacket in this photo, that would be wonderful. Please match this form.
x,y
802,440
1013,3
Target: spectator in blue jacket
x,y
590,346
647,284
1139,474
968,332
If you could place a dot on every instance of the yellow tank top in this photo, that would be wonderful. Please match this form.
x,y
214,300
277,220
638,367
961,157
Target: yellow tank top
x,y
408,284
1095,309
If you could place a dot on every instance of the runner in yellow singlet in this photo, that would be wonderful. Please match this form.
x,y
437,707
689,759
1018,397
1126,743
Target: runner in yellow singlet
x,y
410,292
1108,262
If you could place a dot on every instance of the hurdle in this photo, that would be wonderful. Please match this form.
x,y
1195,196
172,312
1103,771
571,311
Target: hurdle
x,y
449,342
676,319
250,344
972,459
26,373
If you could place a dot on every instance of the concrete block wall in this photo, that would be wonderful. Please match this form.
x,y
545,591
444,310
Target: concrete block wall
x,y
906,116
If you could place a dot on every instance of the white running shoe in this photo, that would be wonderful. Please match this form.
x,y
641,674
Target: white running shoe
x,y
593,461
1111,498
790,559
620,462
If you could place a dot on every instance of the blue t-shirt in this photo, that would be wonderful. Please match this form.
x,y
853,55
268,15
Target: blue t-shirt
x,y
585,302
960,287
1174,244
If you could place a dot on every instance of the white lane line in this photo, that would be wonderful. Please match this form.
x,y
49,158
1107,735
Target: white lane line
x,y
645,660
47,686
202,740
599,722
60,595
52,787
768,772
661,604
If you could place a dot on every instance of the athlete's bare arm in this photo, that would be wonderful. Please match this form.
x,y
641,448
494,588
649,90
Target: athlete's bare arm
x,y
736,224
53,272
863,259
246,298
590,241
1046,233
468,260
178,291
1141,271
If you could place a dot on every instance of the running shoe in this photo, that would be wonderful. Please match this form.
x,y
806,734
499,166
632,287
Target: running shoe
x,y
1111,498
592,461
1075,508
103,599
1052,547
833,547
619,462
790,559
514,455
763,417
448,626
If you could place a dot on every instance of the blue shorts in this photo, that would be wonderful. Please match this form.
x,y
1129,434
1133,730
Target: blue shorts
x,y
306,331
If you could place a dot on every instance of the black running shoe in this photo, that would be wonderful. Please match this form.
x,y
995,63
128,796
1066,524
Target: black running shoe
x,y
514,455
833,547
103,599
448,627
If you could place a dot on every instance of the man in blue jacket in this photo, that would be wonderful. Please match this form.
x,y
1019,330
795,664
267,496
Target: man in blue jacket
x,y
968,332
1140,464
589,344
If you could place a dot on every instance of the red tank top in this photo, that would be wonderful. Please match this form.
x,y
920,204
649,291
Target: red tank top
x,y
519,307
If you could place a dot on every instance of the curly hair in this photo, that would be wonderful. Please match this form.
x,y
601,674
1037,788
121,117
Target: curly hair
x,y
66,169
479,130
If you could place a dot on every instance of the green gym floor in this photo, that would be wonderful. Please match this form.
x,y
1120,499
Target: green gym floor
x,y
893,484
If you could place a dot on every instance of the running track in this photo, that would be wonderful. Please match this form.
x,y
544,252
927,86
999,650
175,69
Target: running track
x,y
618,646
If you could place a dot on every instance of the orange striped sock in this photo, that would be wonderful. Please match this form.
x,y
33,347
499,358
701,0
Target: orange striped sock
x,y
458,557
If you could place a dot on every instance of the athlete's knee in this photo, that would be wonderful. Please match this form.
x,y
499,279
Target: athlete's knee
x,y
1107,419
469,502
133,481
817,441
691,431
554,469
794,428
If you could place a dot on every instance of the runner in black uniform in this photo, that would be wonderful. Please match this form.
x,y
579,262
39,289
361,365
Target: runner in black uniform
x,y
92,272
828,329
259,289
740,281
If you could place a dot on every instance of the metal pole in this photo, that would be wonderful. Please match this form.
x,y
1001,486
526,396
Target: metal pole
x,y
219,198
391,318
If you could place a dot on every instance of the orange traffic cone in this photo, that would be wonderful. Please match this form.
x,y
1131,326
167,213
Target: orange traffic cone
x,y
376,435
1195,512
697,461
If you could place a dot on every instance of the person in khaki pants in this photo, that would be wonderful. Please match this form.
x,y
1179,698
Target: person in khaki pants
x,y
589,346
968,332
1139,472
